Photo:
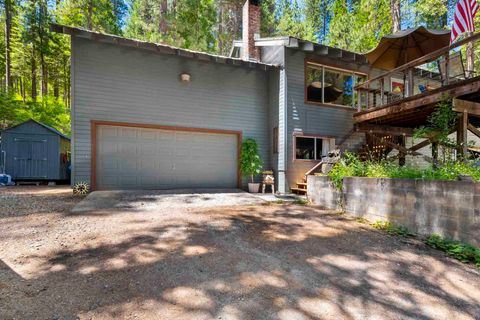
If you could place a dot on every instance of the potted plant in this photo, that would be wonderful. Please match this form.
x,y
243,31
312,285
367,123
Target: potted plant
x,y
250,163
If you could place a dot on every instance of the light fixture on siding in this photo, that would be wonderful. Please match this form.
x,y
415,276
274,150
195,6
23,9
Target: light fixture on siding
x,y
185,77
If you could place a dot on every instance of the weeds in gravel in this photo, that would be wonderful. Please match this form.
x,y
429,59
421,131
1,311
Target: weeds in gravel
x,y
362,220
392,229
456,249
301,202
269,203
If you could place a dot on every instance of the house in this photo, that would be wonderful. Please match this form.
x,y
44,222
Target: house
x,y
148,115
32,151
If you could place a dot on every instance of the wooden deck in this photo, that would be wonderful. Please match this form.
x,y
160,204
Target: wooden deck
x,y
413,111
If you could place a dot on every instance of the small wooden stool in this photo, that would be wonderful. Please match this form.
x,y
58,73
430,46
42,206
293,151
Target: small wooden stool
x,y
268,180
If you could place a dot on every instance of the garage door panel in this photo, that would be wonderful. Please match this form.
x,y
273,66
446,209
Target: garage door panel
x,y
137,158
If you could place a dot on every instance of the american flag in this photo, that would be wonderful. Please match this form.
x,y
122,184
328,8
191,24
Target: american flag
x,y
465,11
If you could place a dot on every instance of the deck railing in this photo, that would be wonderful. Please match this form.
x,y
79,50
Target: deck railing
x,y
430,73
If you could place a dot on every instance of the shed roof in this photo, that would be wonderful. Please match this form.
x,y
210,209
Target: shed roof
x,y
40,124
159,48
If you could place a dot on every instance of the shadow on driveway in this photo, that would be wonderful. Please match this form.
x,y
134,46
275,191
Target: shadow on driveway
x,y
158,200
255,262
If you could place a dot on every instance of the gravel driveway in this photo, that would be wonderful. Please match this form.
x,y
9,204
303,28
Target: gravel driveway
x,y
243,262
161,200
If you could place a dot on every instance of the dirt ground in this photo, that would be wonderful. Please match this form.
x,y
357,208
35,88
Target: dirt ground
x,y
254,262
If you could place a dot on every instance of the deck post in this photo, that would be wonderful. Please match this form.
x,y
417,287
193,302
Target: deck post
x,y
462,128
359,102
447,68
410,83
435,153
402,155
382,91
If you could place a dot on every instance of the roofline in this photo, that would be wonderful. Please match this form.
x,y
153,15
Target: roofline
x,y
159,48
40,124
309,47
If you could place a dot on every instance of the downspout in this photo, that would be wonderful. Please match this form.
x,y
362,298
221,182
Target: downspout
x,y
282,156
73,154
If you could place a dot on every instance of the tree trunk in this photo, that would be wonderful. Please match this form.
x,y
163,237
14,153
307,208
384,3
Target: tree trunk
x,y
89,15
44,75
56,87
8,28
220,29
396,17
34,75
163,23
22,89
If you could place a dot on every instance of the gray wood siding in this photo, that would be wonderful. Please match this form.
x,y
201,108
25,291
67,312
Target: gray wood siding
x,y
131,85
10,146
306,118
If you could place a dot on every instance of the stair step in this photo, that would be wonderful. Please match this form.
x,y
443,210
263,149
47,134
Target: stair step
x,y
298,190
301,184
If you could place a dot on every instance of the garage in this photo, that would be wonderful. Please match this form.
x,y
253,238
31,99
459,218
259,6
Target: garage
x,y
132,156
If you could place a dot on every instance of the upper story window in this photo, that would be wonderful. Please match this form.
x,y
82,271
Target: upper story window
x,y
329,85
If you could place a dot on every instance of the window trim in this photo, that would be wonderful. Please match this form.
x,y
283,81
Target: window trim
x,y
314,136
323,66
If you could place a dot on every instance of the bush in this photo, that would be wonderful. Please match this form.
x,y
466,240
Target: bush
x,y
456,249
250,162
351,166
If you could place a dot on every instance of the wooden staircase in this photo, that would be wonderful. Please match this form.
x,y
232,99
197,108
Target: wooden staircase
x,y
301,187
376,148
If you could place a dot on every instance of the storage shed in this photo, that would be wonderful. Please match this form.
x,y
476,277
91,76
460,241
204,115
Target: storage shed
x,y
32,151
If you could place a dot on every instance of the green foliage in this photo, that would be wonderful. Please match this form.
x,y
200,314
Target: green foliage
x,y
348,166
300,202
359,27
456,249
439,123
392,229
351,166
250,162
190,24
432,13
292,22
362,220
98,15
47,110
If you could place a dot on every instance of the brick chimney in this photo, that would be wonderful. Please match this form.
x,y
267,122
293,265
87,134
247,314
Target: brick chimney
x,y
250,30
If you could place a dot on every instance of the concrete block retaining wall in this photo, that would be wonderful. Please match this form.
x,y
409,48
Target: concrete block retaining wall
x,y
448,208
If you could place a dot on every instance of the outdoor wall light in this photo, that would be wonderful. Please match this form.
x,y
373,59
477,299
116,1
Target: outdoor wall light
x,y
185,77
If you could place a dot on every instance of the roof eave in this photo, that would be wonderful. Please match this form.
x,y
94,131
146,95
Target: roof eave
x,y
313,48
158,48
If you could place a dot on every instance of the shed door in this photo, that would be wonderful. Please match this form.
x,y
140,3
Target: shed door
x,y
138,158
30,158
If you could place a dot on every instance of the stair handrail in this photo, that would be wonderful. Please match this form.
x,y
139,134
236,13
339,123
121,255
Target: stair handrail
x,y
315,167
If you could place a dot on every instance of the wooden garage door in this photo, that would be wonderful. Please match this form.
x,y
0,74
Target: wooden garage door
x,y
138,158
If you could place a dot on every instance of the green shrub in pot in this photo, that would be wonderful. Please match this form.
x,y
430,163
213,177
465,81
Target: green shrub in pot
x,y
250,163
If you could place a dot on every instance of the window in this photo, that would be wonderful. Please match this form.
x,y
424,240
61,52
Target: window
x,y
275,140
312,148
331,86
